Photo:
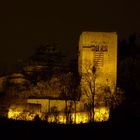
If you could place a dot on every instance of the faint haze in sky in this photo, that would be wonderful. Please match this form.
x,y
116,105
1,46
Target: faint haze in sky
x,y
27,24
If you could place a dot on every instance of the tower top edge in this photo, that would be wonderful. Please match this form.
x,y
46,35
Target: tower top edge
x,y
95,33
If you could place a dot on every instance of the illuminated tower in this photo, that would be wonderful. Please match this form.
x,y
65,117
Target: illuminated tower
x,y
98,61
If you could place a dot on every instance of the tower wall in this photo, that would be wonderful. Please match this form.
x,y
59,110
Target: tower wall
x,y
98,50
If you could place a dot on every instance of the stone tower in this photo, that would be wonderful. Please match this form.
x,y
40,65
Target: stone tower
x,y
97,62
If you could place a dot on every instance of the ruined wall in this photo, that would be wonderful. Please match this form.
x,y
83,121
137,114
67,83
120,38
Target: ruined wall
x,y
47,104
78,112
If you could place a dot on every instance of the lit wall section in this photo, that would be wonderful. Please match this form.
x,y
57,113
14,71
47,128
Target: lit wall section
x,y
99,50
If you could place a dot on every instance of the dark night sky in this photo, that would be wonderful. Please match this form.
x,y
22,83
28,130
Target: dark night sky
x,y
24,25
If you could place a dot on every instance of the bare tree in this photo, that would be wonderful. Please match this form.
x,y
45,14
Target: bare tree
x,y
88,87
88,107
69,92
55,113
99,94
66,90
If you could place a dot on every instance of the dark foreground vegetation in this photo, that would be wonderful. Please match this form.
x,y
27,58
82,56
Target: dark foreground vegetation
x,y
121,128
123,124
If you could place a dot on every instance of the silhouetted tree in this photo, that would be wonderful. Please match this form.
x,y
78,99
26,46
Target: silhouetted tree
x,y
88,86
128,66
37,118
55,113
69,91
